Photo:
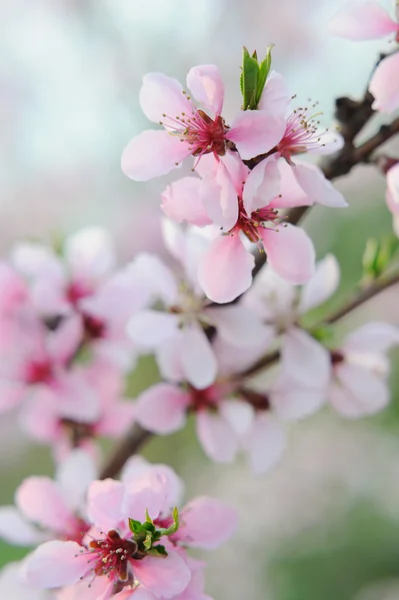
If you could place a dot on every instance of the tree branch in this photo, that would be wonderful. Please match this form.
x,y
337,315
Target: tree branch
x,y
129,446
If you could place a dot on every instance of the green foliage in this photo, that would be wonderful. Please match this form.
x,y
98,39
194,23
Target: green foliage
x,y
253,78
378,255
146,535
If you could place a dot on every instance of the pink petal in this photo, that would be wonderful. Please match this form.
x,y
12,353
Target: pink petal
x,y
316,187
90,253
373,338
271,297
117,419
290,402
207,87
360,392
35,260
137,467
393,189
55,564
225,271
305,362
291,193
384,85
168,357
322,285
275,98
153,153
362,20
197,358
74,475
265,443
104,503
14,289
206,523
162,95
149,272
11,394
149,328
290,253
262,184
219,198
182,201
40,418
255,132
165,576
162,408
150,498
64,341
217,437
40,500
15,530
239,326
14,586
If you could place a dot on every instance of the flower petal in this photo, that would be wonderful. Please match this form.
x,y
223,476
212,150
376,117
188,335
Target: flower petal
x,y
219,198
162,95
239,326
153,153
265,443
55,564
275,97
360,392
362,20
165,577
206,84
104,503
149,328
322,285
255,132
290,253
316,187
206,523
197,358
40,500
216,437
162,408
262,184
305,363
373,338
182,201
15,530
383,85
74,475
225,270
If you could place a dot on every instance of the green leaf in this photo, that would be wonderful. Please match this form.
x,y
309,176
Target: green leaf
x,y
264,69
378,255
323,333
135,526
147,517
158,551
148,541
173,528
250,76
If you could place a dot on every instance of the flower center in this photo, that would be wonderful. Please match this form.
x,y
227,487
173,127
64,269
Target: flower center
x,y
94,327
301,134
111,557
39,372
76,291
203,134
251,226
205,399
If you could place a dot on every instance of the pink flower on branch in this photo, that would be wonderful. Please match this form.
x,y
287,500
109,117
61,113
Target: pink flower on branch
x,y
137,544
367,20
190,131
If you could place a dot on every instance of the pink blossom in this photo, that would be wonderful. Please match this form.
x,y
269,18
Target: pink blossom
x,y
14,291
50,509
363,20
367,20
190,131
229,416
176,332
13,585
35,359
361,368
392,195
246,205
58,285
101,413
118,558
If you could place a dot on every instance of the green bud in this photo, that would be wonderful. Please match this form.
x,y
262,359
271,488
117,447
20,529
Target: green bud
x,y
378,255
253,78
323,333
173,528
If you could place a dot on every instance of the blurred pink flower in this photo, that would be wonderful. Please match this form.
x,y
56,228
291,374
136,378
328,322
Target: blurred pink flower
x,y
392,195
366,20
190,131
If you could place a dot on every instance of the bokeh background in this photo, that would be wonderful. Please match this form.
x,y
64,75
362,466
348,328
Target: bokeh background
x,y
325,523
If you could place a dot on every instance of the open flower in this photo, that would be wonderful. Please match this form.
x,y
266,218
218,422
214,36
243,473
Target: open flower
x,y
367,20
190,131
50,509
136,543
176,331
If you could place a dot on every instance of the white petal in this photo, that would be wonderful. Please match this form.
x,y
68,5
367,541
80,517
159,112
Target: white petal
x,y
197,358
150,328
373,338
239,325
14,529
90,253
360,392
217,437
74,475
265,443
322,285
262,184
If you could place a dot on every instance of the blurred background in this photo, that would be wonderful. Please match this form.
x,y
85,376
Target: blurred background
x,y
325,523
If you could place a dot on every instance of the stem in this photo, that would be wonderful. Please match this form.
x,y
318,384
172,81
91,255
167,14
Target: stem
x,y
129,446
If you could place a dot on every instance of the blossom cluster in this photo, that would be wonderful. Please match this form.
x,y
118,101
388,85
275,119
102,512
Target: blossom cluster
x,y
234,351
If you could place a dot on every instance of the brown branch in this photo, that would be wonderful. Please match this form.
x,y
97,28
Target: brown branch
x,y
129,446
